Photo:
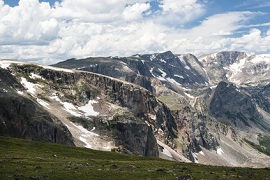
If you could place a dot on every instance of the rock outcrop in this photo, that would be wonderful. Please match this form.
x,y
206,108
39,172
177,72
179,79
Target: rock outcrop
x,y
21,117
231,105
193,132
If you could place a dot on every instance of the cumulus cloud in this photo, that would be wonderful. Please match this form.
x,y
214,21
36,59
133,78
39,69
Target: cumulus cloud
x,y
134,12
27,23
35,31
102,11
180,12
254,42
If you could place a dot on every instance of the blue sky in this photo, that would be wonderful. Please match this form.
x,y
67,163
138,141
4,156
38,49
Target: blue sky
x,y
51,31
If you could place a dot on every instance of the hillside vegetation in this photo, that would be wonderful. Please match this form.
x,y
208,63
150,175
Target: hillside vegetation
x,y
21,159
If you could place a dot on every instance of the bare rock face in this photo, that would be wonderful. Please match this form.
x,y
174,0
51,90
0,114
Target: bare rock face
x,y
135,136
229,57
149,116
194,131
216,65
139,69
261,95
231,105
22,118
130,134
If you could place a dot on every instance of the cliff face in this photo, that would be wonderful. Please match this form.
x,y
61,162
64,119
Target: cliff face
x,y
138,100
224,102
193,132
22,118
261,95
134,135
80,87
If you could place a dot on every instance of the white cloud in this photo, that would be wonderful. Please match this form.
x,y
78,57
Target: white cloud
x,y
223,24
175,6
29,22
253,41
100,10
34,31
134,12
180,12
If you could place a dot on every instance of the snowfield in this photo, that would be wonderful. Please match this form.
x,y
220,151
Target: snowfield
x,y
31,87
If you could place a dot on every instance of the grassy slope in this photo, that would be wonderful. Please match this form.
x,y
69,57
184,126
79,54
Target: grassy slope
x,y
35,160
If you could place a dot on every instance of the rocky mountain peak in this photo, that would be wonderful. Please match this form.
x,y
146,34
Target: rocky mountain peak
x,y
229,57
225,58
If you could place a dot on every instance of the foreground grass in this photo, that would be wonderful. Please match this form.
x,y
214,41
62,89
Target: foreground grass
x,y
20,159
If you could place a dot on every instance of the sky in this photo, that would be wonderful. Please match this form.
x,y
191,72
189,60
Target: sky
x,y
49,31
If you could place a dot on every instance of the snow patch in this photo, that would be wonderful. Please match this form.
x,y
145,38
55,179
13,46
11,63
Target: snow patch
x,y
20,92
188,68
182,59
195,158
152,57
166,152
35,76
213,56
235,69
162,60
31,87
212,87
4,64
143,61
202,153
151,71
55,98
4,90
179,76
260,58
70,108
220,151
163,73
88,109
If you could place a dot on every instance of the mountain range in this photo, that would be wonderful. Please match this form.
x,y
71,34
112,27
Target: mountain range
x,y
213,109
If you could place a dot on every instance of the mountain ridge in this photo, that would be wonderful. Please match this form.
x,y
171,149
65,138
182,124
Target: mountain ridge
x,y
172,101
